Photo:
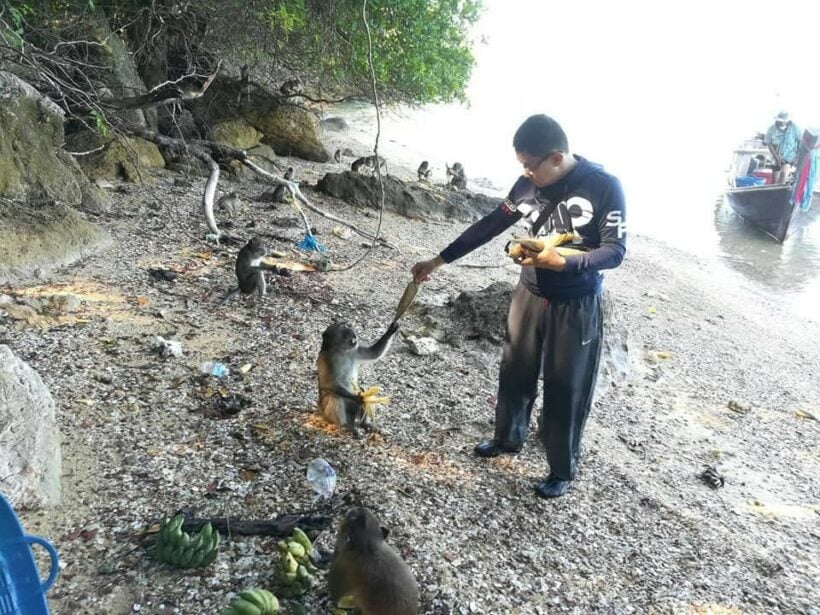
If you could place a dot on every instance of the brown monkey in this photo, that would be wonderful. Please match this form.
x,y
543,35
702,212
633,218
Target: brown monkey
x,y
340,400
366,567
424,171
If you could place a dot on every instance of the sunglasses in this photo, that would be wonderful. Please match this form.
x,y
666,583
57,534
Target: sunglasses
x,y
531,167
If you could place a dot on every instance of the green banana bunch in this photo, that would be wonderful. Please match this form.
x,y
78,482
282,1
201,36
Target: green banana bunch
x,y
253,602
179,549
295,568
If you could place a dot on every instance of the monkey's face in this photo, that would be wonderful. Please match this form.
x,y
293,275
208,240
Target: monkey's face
x,y
339,336
256,247
360,528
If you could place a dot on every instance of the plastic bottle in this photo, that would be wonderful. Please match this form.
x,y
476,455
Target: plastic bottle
x,y
218,370
322,477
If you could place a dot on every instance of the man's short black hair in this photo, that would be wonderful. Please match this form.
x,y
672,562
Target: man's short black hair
x,y
540,135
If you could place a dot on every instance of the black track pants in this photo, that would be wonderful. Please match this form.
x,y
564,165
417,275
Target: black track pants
x,y
565,338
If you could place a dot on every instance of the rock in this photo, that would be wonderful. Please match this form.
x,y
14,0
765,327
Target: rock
x,y
179,124
413,200
30,459
123,157
483,314
334,123
236,133
290,131
422,346
616,359
31,129
34,236
120,72
95,200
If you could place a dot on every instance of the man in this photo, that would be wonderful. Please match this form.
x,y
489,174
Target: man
x,y
554,321
783,139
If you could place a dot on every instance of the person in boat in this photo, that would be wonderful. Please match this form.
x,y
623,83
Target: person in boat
x,y
783,139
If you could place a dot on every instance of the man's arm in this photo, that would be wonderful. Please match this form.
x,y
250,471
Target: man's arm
x,y
491,225
612,231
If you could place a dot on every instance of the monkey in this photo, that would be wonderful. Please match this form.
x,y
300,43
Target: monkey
x,y
250,270
338,155
457,176
424,171
368,162
280,193
340,401
366,567
229,203
291,87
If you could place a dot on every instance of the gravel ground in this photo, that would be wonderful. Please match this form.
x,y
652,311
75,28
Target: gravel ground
x,y
722,375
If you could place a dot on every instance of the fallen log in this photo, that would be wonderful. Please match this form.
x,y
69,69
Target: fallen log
x,y
282,526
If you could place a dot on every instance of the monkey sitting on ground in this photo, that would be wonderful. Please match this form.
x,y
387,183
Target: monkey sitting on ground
x,y
229,203
368,162
457,176
424,171
291,87
366,567
250,270
281,193
340,400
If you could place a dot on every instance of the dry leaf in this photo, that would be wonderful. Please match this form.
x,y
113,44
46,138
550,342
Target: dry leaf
x,y
247,474
805,414
143,301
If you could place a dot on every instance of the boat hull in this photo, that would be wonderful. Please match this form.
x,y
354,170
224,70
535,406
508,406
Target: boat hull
x,y
766,207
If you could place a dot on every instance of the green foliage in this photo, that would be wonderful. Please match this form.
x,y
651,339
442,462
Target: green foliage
x,y
421,48
99,123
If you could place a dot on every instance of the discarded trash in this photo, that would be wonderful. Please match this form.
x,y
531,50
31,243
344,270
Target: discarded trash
x,y
322,477
216,369
309,244
168,348
342,232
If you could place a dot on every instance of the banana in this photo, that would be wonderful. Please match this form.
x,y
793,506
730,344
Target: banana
x,y
302,538
243,607
186,558
346,602
290,563
197,559
370,392
296,549
264,600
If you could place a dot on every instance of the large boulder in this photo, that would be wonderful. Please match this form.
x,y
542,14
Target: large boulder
x,y
31,131
30,459
128,158
290,130
120,71
412,199
36,236
235,133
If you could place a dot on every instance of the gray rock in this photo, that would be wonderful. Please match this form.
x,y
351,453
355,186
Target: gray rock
x,y
422,346
412,200
337,124
30,458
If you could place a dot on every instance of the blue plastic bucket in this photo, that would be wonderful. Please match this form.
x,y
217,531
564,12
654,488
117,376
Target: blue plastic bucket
x,y
22,592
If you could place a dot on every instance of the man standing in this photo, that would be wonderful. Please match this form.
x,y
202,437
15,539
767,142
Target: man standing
x,y
783,139
554,321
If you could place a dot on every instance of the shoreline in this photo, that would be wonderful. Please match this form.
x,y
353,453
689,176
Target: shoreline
x,y
638,532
